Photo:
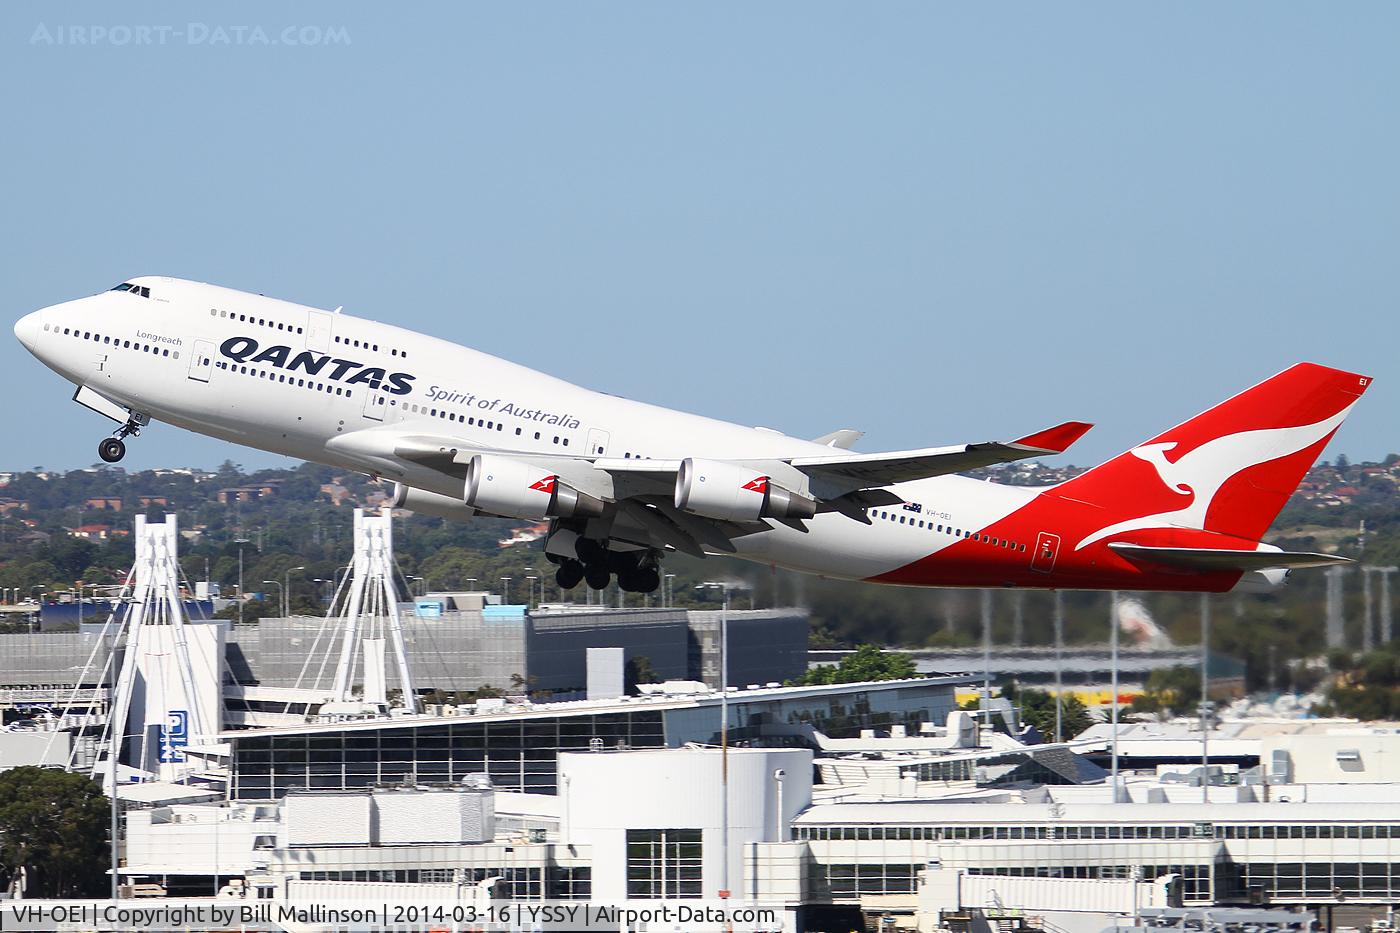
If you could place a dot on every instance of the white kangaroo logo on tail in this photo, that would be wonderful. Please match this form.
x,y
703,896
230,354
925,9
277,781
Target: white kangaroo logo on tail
x,y
1202,472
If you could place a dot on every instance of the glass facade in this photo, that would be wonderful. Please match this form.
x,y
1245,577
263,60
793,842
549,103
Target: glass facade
x,y
1195,879
518,754
843,880
1247,866
664,863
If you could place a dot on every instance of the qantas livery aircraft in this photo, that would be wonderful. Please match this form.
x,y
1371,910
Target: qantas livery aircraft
x,y
624,483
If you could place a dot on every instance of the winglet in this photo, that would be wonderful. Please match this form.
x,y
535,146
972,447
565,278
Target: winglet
x,y
1055,440
843,439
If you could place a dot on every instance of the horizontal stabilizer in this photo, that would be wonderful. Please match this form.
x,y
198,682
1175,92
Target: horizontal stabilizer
x,y
1194,558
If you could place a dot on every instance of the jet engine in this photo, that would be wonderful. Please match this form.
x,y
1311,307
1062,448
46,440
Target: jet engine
x,y
730,492
518,489
430,503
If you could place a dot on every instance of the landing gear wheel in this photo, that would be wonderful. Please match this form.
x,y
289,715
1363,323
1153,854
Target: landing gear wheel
x,y
648,580
597,575
569,574
642,580
591,552
111,449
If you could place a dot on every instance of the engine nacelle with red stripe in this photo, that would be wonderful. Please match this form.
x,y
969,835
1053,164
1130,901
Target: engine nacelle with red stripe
x,y
735,493
517,489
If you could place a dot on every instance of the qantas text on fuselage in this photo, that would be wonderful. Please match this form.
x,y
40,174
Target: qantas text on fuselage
x,y
623,483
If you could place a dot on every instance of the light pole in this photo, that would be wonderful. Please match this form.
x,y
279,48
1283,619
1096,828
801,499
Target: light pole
x,y
240,542
287,591
1205,697
281,594
420,585
723,734
669,588
505,591
1059,666
1113,699
530,597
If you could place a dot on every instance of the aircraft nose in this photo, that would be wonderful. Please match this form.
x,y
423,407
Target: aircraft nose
x,y
27,329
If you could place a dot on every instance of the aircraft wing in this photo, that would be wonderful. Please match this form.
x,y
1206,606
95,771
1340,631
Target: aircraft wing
x,y
861,471
640,492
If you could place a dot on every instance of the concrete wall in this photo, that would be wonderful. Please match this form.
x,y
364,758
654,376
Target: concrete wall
x,y
606,794
18,749
1338,758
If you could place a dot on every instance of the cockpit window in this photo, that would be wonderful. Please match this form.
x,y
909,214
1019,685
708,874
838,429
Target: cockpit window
x,y
142,290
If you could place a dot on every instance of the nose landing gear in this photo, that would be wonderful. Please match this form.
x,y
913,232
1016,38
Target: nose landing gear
x,y
112,449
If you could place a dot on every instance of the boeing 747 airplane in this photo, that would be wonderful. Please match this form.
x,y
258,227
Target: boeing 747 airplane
x,y
623,483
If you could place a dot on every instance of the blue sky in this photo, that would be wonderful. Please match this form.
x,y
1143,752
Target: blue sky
x,y
937,223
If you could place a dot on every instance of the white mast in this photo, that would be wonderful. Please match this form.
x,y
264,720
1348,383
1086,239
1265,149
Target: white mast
x,y
371,613
170,687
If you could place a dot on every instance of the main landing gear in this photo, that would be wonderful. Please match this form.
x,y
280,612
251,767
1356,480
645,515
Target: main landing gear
x,y
111,449
636,571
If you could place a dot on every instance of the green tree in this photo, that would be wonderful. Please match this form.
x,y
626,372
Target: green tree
x,y
1172,690
1038,709
1370,688
54,825
868,662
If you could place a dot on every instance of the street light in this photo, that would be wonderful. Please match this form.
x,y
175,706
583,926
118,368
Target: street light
x,y
530,599
723,733
505,590
670,585
287,591
240,542
422,585
281,594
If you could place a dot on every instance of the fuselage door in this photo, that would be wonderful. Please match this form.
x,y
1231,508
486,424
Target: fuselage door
x,y
201,360
318,331
597,442
376,404
1047,548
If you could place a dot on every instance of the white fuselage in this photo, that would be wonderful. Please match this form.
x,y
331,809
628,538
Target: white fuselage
x,y
207,359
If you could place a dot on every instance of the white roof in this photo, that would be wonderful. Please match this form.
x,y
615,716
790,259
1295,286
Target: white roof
x,y
592,707
156,792
927,812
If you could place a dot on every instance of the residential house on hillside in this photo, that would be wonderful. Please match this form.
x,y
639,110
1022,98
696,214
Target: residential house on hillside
x,y
250,493
338,494
97,532
103,503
